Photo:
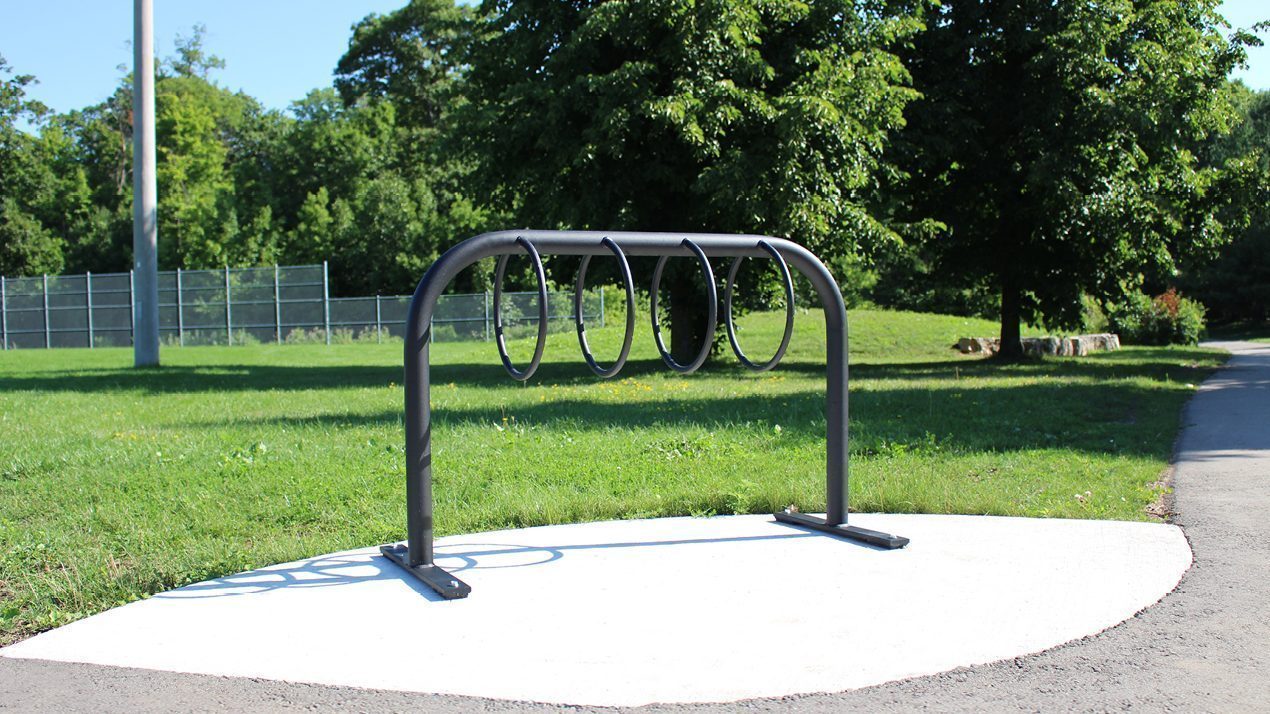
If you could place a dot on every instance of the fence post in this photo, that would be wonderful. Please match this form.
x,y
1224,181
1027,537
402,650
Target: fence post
x,y
379,325
4,314
88,304
487,316
326,302
277,306
47,342
229,322
180,311
132,301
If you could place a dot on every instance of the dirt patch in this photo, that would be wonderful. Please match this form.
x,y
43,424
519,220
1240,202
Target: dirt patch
x,y
1162,508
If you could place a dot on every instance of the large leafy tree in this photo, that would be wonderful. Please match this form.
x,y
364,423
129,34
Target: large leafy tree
x,y
411,62
27,185
1055,141
411,56
688,115
96,146
1236,286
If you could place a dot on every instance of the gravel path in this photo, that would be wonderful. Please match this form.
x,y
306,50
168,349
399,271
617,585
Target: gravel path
x,y
1205,647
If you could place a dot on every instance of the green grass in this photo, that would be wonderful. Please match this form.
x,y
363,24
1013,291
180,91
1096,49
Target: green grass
x,y
116,483
1240,331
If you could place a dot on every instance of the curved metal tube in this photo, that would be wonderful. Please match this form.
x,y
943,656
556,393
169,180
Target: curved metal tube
x,y
789,310
417,557
624,267
521,375
712,312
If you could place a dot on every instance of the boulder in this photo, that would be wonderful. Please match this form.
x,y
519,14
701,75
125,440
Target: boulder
x,y
1074,346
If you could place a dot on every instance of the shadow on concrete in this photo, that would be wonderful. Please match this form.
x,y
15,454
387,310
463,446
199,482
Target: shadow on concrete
x,y
349,569
320,572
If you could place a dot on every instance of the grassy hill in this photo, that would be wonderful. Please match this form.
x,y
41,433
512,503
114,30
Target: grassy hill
x,y
117,483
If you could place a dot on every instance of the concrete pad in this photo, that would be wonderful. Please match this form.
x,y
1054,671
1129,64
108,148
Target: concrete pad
x,y
667,610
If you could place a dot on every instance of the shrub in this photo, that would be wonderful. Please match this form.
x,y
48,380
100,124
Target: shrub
x,y
1093,317
1165,319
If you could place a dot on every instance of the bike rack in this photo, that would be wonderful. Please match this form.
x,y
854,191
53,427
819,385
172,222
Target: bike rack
x,y
417,556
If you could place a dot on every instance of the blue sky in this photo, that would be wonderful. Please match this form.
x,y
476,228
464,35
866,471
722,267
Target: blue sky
x,y
275,50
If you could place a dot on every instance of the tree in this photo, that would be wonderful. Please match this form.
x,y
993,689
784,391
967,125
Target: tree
x,y
190,115
27,247
689,115
90,151
410,56
191,60
1236,286
335,147
312,238
409,65
1055,142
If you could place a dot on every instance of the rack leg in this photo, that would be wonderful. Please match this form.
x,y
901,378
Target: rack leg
x,y
445,584
864,535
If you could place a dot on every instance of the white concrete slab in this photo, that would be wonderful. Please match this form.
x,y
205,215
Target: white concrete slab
x,y
669,610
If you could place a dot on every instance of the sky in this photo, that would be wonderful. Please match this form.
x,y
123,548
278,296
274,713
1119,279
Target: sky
x,y
275,50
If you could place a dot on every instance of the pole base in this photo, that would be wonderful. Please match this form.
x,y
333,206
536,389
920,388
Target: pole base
x,y
445,584
864,535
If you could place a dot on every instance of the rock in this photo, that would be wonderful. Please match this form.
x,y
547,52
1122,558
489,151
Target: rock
x,y
1074,346
970,345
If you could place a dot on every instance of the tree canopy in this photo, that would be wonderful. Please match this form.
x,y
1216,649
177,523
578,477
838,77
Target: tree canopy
x,y
965,155
239,185
1056,144
685,115
1236,286
28,187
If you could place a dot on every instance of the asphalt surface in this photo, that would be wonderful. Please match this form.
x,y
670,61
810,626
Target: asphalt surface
x,y
1204,647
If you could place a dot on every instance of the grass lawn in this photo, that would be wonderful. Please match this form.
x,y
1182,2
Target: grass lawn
x,y
117,483
1242,331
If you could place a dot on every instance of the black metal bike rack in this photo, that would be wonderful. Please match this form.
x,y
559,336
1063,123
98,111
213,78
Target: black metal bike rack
x,y
417,556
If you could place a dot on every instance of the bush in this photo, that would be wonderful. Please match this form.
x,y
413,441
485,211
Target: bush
x,y
908,281
1093,317
1166,319
1236,287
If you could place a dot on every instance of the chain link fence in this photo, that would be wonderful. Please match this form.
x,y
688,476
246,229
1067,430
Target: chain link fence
x,y
282,304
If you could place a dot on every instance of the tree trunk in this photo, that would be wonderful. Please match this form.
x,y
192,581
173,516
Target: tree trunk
x,y
687,311
682,284
1011,344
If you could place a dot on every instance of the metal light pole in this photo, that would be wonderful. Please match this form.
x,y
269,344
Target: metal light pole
x,y
145,212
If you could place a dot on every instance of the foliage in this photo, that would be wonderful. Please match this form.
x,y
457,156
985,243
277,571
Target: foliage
x,y
1056,142
682,115
1236,286
191,59
412,60
198,219
1166,319
27,247
239,185
410,57
1071,151
907,280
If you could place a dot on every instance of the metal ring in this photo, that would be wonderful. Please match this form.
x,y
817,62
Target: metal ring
x,y
789,309
625,268
712,311
542,312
